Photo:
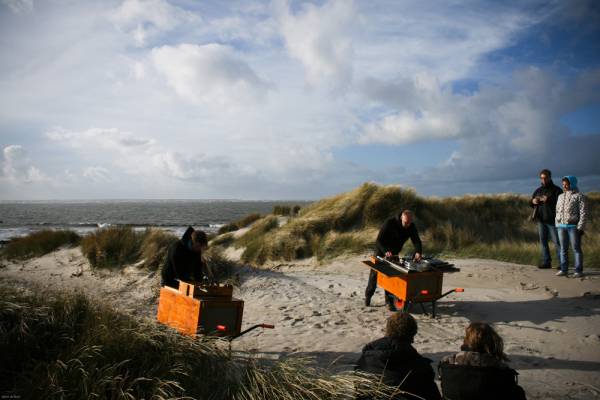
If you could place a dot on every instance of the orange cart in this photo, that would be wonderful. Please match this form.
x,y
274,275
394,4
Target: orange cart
x,y
412,282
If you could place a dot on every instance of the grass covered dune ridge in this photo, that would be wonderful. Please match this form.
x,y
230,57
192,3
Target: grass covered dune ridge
x,y
484,226
63,346
487,226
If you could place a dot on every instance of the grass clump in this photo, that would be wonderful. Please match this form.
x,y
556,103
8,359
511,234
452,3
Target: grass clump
x,y
112,247
239,224
154,247
63,346
39,243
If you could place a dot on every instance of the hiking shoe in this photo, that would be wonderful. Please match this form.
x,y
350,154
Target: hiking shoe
x,y
561,273
578,275
544,266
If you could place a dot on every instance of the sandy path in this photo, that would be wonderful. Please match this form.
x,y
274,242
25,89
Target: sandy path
x,y
551,325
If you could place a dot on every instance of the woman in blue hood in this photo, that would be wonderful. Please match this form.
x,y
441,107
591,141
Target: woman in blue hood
x,y
571,217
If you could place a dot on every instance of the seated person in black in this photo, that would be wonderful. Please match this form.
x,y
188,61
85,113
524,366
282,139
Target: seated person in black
x,y
479,370
390,240
400,365
184,260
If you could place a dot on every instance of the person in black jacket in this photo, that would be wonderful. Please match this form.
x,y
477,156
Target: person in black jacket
x,y
184,260
543,202
390,240
398,363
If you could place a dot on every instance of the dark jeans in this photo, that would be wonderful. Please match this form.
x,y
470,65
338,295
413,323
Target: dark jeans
x,y
546,231
566,236
372,285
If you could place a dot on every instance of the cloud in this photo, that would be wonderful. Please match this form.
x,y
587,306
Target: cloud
x,y
98,174
19,6
321,39
109,138
17,167
210,73
146,19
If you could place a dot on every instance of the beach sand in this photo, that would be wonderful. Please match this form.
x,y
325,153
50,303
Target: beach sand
x,y
551,325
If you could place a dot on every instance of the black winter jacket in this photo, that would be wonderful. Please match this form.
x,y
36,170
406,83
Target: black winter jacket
x,y
546,211
400,364
393,235
182,263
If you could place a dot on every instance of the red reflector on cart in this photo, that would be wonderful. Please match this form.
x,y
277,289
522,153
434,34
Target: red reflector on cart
x,y
424,291
221,328
459,290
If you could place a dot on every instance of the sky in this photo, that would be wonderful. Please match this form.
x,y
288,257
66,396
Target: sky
x,y
183,99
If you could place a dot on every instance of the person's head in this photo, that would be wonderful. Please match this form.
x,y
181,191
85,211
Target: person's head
x,y
545,176
199,241
482,338
569,183
401,326
406,218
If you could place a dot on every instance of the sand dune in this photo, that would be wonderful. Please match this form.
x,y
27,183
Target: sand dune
x,y
551,325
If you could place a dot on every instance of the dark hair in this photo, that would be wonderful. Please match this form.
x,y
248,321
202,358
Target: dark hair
x,y
401,326
546,172
482,338
200,237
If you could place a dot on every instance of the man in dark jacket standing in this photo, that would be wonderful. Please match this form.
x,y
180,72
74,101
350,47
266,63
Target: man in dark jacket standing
x,y
390,240
396,360
543,202
184,260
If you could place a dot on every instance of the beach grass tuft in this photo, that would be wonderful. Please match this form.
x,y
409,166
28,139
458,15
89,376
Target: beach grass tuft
x,y
62,345
112,247
39,243
154,247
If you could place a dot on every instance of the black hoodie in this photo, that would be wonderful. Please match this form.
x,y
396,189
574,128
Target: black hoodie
x,y
182,263
400,364
546,211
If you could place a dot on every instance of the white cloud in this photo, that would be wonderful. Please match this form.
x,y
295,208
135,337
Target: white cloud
x,y
98,174
19,6
321,39
146,19
109,138
211,74
18,167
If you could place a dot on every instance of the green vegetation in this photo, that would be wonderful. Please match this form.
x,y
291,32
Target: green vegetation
x,y
154,247
112,247
39,243
61,346
487,226
239,224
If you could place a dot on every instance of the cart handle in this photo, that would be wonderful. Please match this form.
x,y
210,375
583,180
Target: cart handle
x,y
457,290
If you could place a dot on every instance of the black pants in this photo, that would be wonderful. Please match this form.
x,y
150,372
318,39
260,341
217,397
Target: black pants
x,y
372,285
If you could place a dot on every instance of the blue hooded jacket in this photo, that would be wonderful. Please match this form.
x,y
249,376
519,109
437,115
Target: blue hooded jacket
x,y
572,182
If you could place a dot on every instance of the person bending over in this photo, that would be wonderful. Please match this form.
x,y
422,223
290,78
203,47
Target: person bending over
x,y
398,363
390,240
184,259
479,370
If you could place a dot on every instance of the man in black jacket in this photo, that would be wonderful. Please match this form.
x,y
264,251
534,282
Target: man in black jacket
x,y
399,364
390,240
543,202
184,260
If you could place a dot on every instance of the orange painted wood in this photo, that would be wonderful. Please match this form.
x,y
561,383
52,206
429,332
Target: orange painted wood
x,y
409,287
178,311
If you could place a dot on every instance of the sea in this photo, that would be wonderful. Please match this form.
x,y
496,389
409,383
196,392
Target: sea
x,y
24,217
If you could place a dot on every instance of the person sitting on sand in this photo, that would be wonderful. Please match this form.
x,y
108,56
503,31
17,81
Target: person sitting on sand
x,y
396,360
184,260
571,217
390,240
479,370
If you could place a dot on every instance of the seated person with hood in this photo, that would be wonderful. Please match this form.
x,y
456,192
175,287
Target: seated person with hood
x,y
479,371
184,260
400,365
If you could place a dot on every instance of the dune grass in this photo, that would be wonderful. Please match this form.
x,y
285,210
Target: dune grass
x,y
63,346
486,226
154,247
239,224
39,243
112,247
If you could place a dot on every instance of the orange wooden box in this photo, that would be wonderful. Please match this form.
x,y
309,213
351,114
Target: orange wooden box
x,y
191,314
419,287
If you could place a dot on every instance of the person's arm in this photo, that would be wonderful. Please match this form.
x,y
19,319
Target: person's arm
x,y
416,241
582,214
533,201
384,238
